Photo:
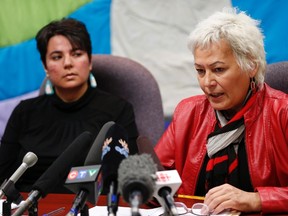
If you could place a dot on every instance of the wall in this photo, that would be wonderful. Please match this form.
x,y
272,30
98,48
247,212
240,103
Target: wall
x,y
151,32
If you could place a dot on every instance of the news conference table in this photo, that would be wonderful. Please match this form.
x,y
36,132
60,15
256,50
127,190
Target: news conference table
x,y
56,201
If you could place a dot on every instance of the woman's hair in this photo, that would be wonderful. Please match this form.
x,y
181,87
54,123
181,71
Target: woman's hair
x,y
240,31
74,30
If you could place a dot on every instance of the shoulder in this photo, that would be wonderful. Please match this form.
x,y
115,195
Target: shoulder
x,y
272,103
274,93
105,99
274,97
193,102
31,103
192,108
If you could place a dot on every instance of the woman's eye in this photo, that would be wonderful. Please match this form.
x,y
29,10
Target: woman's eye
x,y
200,71
78,53
56,57
218,69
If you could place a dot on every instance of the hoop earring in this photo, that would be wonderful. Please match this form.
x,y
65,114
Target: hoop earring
x,y
49,88
252,85
93,82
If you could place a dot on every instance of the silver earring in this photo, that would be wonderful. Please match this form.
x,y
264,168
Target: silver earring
x,y
49,88
253,85
93,82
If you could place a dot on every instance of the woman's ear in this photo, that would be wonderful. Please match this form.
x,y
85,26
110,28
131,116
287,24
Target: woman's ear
x,y
254,71
46,71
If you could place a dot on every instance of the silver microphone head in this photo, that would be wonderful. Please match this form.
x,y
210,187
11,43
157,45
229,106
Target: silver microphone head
x,y
30,159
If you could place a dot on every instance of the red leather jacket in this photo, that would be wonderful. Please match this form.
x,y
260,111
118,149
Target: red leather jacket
x,y
183,145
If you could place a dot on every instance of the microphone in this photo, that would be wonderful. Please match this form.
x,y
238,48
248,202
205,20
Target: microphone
x,y
95,153
57,172
115,149
86,181
145,146
167,182
29,160
136,177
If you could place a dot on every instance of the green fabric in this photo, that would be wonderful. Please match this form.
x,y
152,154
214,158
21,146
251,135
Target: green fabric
x,y
21,19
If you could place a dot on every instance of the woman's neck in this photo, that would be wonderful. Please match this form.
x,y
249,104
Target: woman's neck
x,y
228,114
71,94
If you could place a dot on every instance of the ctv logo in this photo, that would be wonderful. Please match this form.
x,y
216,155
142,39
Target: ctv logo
x,y
82,174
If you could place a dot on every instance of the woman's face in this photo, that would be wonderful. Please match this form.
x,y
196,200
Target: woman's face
x,y
68,69
220,78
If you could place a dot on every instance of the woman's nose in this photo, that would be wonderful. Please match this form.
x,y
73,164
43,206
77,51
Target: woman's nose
x,y
209,80
67,62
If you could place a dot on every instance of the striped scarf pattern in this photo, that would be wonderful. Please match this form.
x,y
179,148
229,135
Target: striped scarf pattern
x,y
222,147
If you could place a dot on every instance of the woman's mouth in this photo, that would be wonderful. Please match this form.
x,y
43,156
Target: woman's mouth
x,y
215,95
70,76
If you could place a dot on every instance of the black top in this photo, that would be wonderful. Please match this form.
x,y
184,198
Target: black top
x,y
46,125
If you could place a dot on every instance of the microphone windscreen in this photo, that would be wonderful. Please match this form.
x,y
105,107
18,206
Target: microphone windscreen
x,y
145,146
137,173
73,155
115,149
95,152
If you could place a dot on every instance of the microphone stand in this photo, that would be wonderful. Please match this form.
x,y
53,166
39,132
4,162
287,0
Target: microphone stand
x,y
33,210
84,210
113,199
167,212
169,202
135,200
79,204
12,195
6,208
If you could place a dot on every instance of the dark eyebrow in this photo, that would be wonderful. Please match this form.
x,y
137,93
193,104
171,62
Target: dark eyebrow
x,y
59,52
55,52
76,49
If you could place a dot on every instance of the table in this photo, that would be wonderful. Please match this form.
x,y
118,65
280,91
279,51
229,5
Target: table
x,y
55,201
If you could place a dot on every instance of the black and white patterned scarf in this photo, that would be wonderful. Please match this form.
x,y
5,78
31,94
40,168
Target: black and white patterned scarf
x,y
222,147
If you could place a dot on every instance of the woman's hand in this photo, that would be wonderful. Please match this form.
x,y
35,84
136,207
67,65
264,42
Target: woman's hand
x,y
229,197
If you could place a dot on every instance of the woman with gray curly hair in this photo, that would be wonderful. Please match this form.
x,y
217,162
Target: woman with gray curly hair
x,y
230,144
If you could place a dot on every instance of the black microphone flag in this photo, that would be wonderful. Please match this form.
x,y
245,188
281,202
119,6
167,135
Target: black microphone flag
x,y
95,153
88,178
115,149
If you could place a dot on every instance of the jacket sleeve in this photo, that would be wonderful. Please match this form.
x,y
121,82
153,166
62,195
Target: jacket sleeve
x,y
165,148
273,199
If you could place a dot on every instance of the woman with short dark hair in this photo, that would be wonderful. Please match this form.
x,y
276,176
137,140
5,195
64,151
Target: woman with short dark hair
x,y
72,104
